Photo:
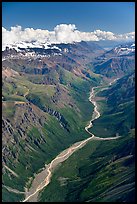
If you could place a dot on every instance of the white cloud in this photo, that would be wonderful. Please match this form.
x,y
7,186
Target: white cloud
x,y
63,33
103,35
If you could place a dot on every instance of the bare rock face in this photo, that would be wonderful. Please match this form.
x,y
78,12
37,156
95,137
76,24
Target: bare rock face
x,y
116,62
116,67
7,72
15,130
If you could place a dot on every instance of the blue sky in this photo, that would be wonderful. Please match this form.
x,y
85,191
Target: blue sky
x,y
117,17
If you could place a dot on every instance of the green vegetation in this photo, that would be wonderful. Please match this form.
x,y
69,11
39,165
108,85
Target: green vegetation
x,y
13,197
116,117
44,142
8,109
92,172
115,120
102,171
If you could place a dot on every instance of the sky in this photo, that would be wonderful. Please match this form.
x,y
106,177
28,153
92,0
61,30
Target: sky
x,y
66,22
117,17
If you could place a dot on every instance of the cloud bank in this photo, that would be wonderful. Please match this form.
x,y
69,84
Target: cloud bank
x,y
63,33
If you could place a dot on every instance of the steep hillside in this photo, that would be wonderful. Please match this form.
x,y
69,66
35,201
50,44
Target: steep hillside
x,y
115,67
119,111
117,62
123,91
99,172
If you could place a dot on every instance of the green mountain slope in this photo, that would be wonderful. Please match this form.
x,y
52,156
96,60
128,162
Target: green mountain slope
x,y
99,172
119,113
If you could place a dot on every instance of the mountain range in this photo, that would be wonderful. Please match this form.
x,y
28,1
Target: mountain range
x,y
45,109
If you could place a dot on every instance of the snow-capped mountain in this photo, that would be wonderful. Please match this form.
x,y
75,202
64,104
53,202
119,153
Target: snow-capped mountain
x,y
116,62
125,49
80,51
24,52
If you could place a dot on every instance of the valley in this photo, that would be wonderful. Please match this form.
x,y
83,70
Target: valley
x,y
63,156
45,111
98,162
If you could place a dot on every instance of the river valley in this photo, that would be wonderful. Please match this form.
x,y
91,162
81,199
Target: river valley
x,y
43,178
